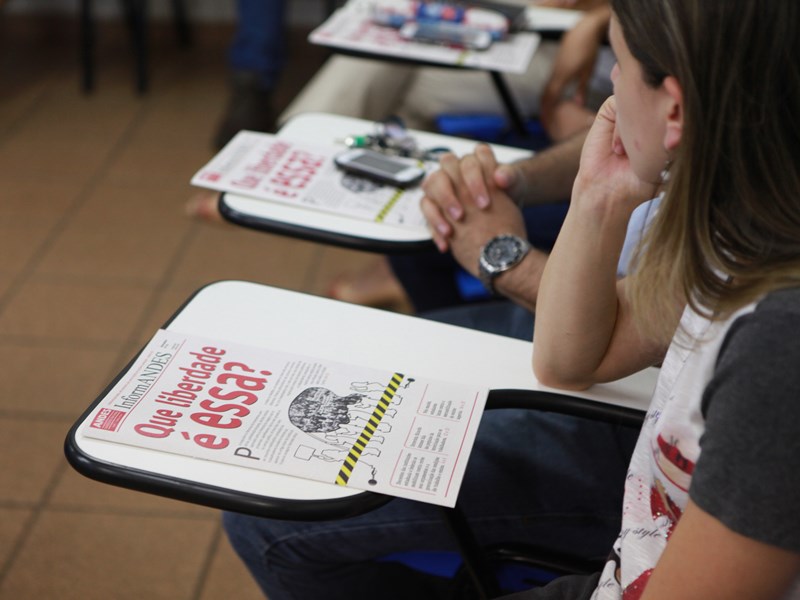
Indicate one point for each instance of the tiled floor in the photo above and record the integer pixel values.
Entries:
(95, 253)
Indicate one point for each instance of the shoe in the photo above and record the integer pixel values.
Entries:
(249, 107)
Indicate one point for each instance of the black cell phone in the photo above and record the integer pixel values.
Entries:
(394, 170)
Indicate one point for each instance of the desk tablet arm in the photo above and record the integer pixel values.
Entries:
(563, 403)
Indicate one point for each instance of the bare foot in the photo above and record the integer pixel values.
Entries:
(374, 285)
(204, 205)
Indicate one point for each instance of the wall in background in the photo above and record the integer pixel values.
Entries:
(301, 12)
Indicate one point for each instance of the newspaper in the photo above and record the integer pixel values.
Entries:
(351, 28)
(383, 431)
(264, 166)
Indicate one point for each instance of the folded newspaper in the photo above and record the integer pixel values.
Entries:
(274, 169)
(384, 431)
(352, 28)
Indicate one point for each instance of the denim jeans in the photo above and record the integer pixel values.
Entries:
(259, 45)
(544, 479)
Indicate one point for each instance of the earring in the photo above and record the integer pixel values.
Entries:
(665, 171)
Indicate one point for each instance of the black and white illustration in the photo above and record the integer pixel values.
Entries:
(352, 427)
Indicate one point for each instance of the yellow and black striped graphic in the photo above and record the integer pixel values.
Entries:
(389, 206)
(369, 429)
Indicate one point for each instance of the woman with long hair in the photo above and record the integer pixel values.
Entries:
(704, 114)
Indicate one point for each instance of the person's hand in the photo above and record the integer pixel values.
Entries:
(466, 181)
(574, 64)
(605, 176)
(474, 225)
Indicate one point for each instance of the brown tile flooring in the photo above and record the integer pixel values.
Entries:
(95, 253)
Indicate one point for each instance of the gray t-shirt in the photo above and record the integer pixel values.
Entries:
(748, 473)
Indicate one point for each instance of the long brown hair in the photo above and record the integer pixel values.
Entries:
(728, 229)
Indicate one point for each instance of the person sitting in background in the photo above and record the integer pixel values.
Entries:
(256, 59)
(564, 83)
(571, 70)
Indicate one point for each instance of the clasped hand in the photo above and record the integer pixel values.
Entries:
(466, 204)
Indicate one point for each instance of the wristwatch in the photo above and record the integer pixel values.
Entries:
(500, 254)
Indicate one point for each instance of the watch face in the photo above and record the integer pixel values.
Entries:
(503, 251)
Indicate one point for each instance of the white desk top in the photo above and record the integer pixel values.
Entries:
(312, 127)
(542, 18)
(250, 313)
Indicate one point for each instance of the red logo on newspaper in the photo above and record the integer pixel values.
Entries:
(108, 419)
(210, 176)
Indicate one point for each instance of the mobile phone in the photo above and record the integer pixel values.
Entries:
(443, 32)
(394, 170)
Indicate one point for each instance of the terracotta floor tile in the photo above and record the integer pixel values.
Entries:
(117, 250)
(48, 380)
(12, 523)
(29, 198)
(21, 238)
(30, 454)
(98, 557)
(169, 301)
(72, 161)
(6, 278)
(75, 492)
(229, 252)
(229, 578)
(66, 114)
(17, 104)
(74, 311)
(169, 145)
(145, 206)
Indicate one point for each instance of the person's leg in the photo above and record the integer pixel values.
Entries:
(501, 317)
(256, 59)
(428, 279)
(259, 45)
(532, 477)
(438, 91)
(548, 480)
(353, 87)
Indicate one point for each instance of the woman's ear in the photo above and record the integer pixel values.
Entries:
(674, 97)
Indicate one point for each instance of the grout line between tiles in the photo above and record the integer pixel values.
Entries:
(26, 114)
(36, 513)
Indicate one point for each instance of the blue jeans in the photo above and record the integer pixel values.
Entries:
(538, 478)
(259, 45)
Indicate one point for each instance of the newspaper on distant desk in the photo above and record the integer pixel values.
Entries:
(351, 28)
(274, 169)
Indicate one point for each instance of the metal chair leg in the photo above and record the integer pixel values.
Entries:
(182, 29)
(136, 16)
(472, 553)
